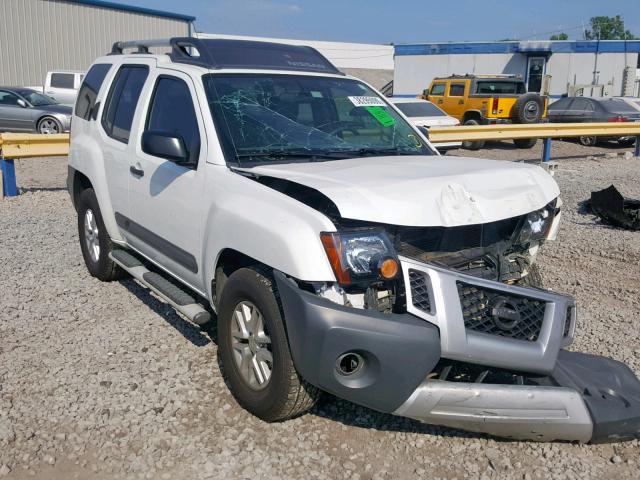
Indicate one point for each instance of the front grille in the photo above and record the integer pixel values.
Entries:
(419, 283)
(500, 313)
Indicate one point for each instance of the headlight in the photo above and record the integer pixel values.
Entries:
(537, 224)
(360, 255)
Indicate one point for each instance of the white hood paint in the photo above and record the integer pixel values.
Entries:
(423, 190)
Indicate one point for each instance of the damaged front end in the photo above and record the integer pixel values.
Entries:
(456, 336)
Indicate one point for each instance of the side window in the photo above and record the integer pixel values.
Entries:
(121, 103)
(8, 98)
(438, 89)
(62, 80)
(171, 111)
(89, 90)
(456, 90)
(582, 104)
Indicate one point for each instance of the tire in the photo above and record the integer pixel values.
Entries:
(95, 242)
(528, 109)
(270, 388)
(525, 143)
(49, 125)
(588, 141)
(626, 142)
(476, 145)
(533, 279)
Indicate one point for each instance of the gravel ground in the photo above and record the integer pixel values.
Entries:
(104, 381)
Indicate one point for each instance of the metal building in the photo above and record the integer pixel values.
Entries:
(37, 36)
(589, 68)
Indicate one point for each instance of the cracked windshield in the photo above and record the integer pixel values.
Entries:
(286, 118)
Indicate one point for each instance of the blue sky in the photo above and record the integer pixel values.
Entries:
(399, 21)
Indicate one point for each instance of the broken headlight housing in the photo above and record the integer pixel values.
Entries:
(536, 225)
(360, 256)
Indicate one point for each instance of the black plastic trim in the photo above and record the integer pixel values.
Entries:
(610, 390)
(399, 350)
(168, 249)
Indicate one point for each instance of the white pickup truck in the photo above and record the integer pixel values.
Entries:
(339, 251)
(61, 85)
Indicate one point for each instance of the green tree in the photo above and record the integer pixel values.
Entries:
(560, 36)
(608, 28)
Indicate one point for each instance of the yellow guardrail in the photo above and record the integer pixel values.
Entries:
(536, 130)
(27, 145)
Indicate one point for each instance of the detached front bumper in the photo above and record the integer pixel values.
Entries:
(405, 371)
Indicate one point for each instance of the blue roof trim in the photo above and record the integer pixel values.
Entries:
(131, 8)
(605, 46)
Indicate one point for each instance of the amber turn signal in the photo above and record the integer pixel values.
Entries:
(388, 268)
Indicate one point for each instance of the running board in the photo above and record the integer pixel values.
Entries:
(169, 292)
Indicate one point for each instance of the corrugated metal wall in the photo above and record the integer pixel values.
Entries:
(41, 35)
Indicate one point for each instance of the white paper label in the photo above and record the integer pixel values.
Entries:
(367, 101)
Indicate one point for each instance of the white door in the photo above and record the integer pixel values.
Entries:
(166, 195)
(121, 108)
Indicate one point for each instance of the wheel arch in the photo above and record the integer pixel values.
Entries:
(472, 115)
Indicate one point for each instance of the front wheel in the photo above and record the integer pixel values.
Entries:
(49, 126)
(95, 242)
(626, 141)
(478, 144)
(254, 350)
(588, 141)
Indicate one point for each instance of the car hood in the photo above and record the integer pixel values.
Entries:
(423, 190)
(62, 109)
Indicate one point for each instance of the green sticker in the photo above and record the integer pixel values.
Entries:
(380, 114)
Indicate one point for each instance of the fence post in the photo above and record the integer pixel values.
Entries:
(637, 152)
(546, 150)
(9, 188)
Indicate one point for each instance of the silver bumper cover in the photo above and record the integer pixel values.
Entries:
(511, 411)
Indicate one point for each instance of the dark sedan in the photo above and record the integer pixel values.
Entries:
(586, 109)
(25, 110)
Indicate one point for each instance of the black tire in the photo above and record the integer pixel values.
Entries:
(52, 124)
(528, 109)
(476, 145)
(525, 143)
(533, 279)
(285, 394)
(626, 142)
(588, 141)
(101, 267)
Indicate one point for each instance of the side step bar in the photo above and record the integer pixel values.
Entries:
(172, 294)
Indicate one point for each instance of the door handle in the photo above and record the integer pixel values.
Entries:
(440, 101)
(460, 102)
(136, 171)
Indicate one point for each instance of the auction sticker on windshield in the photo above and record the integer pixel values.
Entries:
(367, 101)
(382, 116)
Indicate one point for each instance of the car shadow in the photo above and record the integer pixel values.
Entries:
(329, 407)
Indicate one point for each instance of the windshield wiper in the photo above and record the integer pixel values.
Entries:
(365, 151)
(292, 154)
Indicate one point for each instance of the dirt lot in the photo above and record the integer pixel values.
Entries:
(104, 381)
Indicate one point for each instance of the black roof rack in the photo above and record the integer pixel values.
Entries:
(217, 53)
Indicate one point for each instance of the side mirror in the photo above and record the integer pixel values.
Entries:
(165, 145)
(22, 103)
(424, 131)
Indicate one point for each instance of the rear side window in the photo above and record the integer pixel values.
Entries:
(438, 89)
(172, 112)
(89, 90)
(499, 87)
(117, 116)
(456, 90)
(62, 80)
(582, 104)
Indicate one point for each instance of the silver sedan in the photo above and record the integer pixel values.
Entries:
(25, 110)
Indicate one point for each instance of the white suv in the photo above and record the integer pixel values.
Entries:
(339, 251)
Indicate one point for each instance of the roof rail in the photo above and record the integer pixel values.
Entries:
(226, 53)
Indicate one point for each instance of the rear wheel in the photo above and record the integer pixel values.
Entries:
(49, 125)
(476, 145)
(626, 141)
(254, 350)
(525, 142)
(95, 242)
